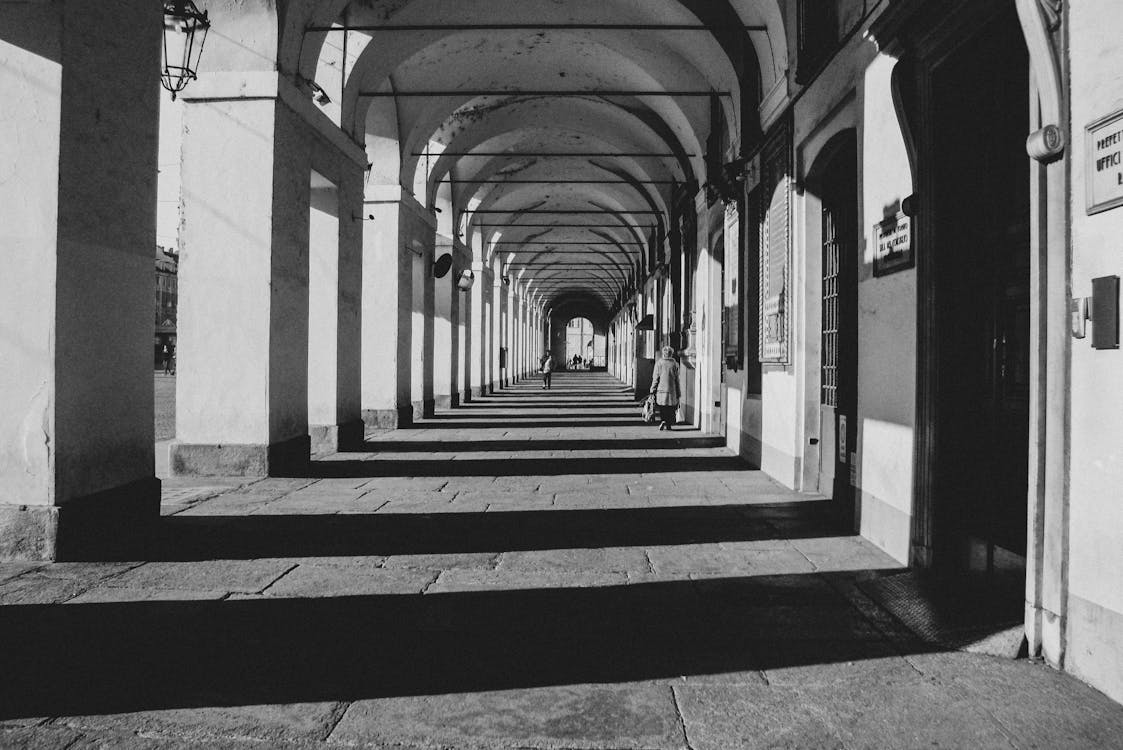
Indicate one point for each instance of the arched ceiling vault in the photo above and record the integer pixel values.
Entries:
(567, 189)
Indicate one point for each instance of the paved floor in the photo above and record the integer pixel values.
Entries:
(534, 570)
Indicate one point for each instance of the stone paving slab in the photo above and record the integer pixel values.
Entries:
(512, 574)
(585, 716)
(57, 583)
(318, 580)
(294, 722)
(244, 576)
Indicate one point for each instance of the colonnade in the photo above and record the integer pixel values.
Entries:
(308, 308)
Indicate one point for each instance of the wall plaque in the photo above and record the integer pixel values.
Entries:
(893, 245)
(1103, 163)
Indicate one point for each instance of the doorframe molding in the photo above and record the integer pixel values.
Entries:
(921, 39)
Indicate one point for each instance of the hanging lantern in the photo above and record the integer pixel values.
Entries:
(183, 44)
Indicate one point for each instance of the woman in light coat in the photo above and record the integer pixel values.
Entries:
(665, 388)
(546, 367)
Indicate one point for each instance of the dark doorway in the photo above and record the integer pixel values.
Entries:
(839, 353)
(981, 291)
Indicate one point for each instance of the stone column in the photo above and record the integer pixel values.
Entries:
(480, 357)
(387, 304)
(423, 328)
(456, 342)
(469, 341)
(78, 160)
(334, 288)
(444, 330)
(516, 334)
(242, 389)
(502, 327)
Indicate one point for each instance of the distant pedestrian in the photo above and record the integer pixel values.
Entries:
(665, 388)
(546, 367)
(167, 360)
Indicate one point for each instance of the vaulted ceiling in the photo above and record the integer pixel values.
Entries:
(555, 130)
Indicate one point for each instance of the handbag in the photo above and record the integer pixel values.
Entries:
(648, 410)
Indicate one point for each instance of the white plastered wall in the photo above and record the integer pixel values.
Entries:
(1095, 596)
(855, 93)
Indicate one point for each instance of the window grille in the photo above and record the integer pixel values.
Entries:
(831, 254)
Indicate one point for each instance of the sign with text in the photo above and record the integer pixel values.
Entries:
(1103, 163)
(892, 245)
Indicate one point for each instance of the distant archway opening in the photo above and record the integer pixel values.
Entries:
(581, 345)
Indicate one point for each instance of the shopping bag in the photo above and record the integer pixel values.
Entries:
(648, 411)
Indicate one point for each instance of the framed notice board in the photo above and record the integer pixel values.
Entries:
(774, 201)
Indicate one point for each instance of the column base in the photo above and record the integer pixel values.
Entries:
(333, 438)
(428, 407)
(467, 395)
(388, 419)
(288, 458)
(114, 524)
(444, 403)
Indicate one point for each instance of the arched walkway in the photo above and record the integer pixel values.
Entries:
(865, 231)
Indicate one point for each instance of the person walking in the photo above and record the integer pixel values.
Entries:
(665, 388)
(546, 367)
(167, 360)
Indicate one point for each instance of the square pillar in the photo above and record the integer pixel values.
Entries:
(387, 309)
(424, 317)
(478, 355)
(78, 162)
(502, 358)
(334, 288)
(444, 345)
(242, 386)
(469, 341)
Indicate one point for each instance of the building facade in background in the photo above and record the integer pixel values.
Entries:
(167, 298)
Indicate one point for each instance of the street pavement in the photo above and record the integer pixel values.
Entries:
(536, 569)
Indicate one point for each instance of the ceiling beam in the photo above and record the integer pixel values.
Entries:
(566, 242)
(561, 211)
(416, 27)
(562, 252)
(559, 154)
(439, 93)
(553, 226)
(563, 182)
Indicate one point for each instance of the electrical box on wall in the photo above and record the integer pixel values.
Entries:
(1105, 312)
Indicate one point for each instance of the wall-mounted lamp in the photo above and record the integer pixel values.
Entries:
(369, 217)
(466, 280)
(183, 44)
(506, 281)
(318, 93)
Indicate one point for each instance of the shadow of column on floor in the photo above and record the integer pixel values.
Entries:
(78, 659)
